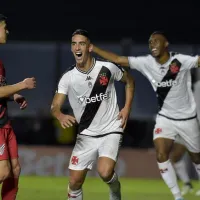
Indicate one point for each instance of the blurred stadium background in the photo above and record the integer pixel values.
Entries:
(39, 45)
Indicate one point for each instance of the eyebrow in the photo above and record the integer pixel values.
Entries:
(78, 42)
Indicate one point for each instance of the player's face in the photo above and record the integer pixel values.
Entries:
(81, 48)
(3, 32)
(157, 45)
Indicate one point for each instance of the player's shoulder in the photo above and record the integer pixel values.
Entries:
(180, 55)
(104, 61)
(68, 71)
(148, 57)
(145, 57)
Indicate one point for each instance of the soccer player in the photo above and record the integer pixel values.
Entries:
(91, 91)
(169, 75)
(9, 163)
(179, 150)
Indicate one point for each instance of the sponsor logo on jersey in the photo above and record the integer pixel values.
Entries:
(96, 98)
(167, 83)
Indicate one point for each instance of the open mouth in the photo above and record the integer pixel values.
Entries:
(154, 50)
(79, 54)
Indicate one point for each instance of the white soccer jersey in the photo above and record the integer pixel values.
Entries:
(92, 97)
(171, 82)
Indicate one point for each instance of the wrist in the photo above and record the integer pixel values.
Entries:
(22, 85)
(15, 95)
(59, 116)
(127, 107)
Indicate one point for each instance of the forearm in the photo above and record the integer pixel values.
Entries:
(56, 111)
(13, 97)
(129, 90)
(6, 91)
(106, 54)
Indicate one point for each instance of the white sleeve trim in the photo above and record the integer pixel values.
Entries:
(61, 92)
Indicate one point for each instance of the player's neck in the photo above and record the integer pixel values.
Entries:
(164, 58)
(86, 66)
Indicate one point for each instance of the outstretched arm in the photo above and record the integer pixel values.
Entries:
(120, 60)
(129, 89)
(28, 83)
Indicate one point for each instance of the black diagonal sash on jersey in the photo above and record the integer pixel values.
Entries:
(92, 108)
(171, 74)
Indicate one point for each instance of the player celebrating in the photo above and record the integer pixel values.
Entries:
(169, 74)
(92, 96)
(179, 151)
(9, 163)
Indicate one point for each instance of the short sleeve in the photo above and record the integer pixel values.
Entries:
(190, 61)
(118, 72)
(63, 84)
(138, 63)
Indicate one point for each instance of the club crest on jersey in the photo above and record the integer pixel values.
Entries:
(103, 79)
(175, 66)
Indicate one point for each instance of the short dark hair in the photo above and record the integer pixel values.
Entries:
(2, 18)
(81, 32)
(160, 33)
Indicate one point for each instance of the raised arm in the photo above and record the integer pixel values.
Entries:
(120, 60)
(28, 83)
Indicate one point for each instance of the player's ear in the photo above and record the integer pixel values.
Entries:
(90, 47)
(166, 44)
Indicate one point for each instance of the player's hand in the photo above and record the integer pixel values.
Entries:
(30, 83)
(66, 121)
(123, 115)
(21, 101)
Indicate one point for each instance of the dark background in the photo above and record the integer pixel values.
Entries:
(105, 20)
(39, 44)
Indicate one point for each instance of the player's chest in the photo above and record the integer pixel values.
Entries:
(84, 83)
(170, 70)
